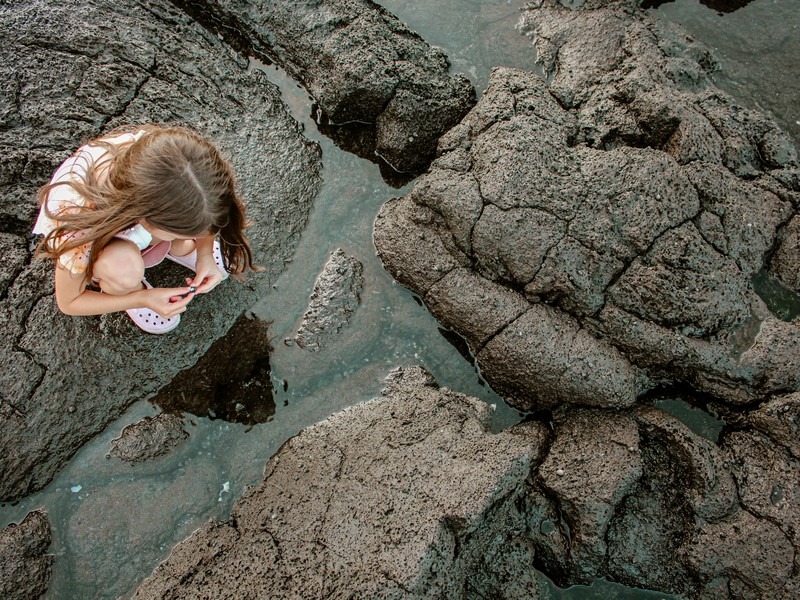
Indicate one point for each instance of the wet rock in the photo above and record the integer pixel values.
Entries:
(385, 498)
(25, 566)
(336, 296)
(566, 363)
(785, 263)
(360, 64)
(752, 555)
(779, 419)
(646, 531)
(15, 257)
(231, 381)
(767, 478)
(430, 503)
(149, 438)
(594, 462)
(637, 497)
(708, 485)
(70, 73)
(626, 199)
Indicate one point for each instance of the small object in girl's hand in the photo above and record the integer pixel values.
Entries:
(192, 290)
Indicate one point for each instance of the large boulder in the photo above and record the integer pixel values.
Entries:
(405, 496)
(595, 234)
(71, 71)
(382, 90)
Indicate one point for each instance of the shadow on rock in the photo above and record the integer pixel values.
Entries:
(231, 381)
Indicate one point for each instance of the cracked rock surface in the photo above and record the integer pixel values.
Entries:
(336, 296)
(607, 222)
(410, 496)
(70, 72)
(361, 65)
(25, 566)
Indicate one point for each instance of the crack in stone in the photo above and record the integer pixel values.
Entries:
(17, 345)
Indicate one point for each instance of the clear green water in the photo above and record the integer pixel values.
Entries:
(112, 523)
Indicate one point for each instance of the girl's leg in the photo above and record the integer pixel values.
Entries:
(182, 247)
(119, 269)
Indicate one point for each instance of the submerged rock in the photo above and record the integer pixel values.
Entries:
(25, 566)
(149, 438)
(384, 93)
(336, 296)
(615, 216)
(70, 73)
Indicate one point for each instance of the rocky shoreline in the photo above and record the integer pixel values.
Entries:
(593, 236)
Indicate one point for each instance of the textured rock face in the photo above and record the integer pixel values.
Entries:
(25, 566)
(612, 218)
(336, 296)
(149, 438)
(71, 71)
(360, 64)
(393, 498)
(408, 496)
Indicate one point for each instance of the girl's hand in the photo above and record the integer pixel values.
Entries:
(207, 275)
(167, 302)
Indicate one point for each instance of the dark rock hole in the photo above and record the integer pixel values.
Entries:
(231, 381)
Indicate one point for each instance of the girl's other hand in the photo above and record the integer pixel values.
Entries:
(167, 302)
(207, 275)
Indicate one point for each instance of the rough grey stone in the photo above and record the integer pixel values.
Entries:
(149, 438)
(779, 418)
(71, 71)
(752, 554)
(767, 477)
(336, 296)
(359, 63)
(625, 198)
(785, 264)
(25, 566)
(709, 487)
(408, 496)
(394, 498)
(593, 463)
(543, 359)
(478, 307)
(647, 529)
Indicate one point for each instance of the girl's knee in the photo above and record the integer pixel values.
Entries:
(119, 268)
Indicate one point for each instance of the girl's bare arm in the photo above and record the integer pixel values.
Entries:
(73, 298)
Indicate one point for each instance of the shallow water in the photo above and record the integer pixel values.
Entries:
(112, 523)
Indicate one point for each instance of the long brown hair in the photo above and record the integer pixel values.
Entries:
(171, 177)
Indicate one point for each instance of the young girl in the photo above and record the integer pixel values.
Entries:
(126, 201)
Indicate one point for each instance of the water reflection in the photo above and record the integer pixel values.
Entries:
(231, 381)
(721, 6)
(781, 301)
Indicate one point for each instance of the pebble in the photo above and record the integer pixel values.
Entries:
(559, 472)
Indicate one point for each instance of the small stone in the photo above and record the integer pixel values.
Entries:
(560, 472)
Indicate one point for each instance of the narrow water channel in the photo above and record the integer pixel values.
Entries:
(112, 522)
